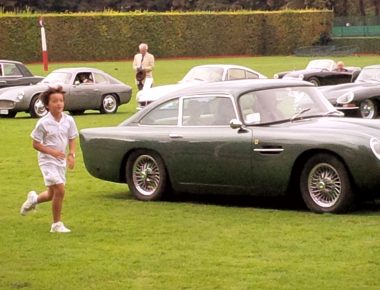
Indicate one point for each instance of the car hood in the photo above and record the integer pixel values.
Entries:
(153, 94)
(297, 73)
(12, 93)
(335, 91)
(335, 126)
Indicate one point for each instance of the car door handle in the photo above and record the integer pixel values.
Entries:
(96, 90)
(269, 150)
(175, 136)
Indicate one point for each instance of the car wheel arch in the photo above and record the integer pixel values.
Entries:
(102, 107)
(295, 174)
(116, 95)
(31, 104)
(123, 164)
(314, 80)
(162, 188)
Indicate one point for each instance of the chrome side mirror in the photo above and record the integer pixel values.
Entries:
(236, 124)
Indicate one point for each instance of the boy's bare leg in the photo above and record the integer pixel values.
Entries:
(57, 200)
(45, 195)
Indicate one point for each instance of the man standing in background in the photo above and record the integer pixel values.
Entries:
(143, 64)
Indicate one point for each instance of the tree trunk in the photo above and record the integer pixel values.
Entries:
(376, 4)
(361, 8)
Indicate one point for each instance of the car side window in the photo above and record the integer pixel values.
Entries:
(100, 79)
(257, 108)
(10, 69)
(164, 114)
(236, 74)
(251, 75)
(207, 111)
(84, 78)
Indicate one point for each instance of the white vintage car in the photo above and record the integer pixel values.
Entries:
(201, 73)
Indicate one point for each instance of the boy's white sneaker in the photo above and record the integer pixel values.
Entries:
(30, 203)
(59, 227)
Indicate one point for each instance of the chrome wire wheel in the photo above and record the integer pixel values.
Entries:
(324, 185)
(368, 109)
(146, 175)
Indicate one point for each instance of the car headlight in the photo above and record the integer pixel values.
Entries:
(374, 143)
(345, 98)
(20, 95)
(275, 76)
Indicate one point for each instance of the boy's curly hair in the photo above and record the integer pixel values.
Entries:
(45, 96)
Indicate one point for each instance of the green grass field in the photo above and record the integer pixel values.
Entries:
(194, 242)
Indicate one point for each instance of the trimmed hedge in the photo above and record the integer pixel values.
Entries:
(112, 36)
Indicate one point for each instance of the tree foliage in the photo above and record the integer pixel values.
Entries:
(340, 7)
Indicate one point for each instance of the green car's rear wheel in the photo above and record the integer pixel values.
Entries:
(146, 175)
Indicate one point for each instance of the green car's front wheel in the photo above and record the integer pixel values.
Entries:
(146, 175)
(325, 185)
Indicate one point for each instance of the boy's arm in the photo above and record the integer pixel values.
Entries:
(71, 155)
(47, 150)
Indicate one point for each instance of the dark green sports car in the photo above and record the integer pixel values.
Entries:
(258, 137)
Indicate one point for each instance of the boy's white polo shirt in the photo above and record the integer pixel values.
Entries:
(54, 134)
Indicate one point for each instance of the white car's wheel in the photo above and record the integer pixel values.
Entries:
(37, 108)
(109, 104)
(368, 109)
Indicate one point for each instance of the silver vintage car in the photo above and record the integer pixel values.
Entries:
(86, 89)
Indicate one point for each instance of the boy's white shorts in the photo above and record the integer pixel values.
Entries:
(53, 174)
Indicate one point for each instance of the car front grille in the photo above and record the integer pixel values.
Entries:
(7, 105)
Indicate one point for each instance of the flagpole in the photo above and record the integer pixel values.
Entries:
(44, 45)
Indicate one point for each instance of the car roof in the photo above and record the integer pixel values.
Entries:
(322, 59)
(223, 66)
(237, 87)
(78, 69)
(9, 61)
(373, 66)
(234, 88)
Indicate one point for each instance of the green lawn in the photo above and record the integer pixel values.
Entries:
(190, 243)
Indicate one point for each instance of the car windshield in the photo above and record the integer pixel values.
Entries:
(369, 75)
(320, 64)
(283, 104)
(206, 74)
(57, 77)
